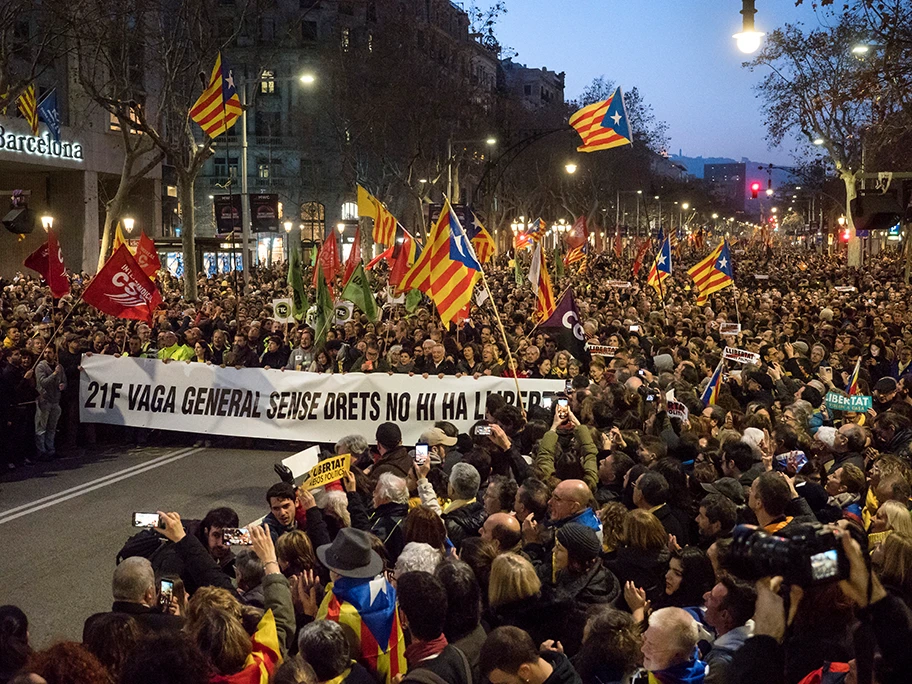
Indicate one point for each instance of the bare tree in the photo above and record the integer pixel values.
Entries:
(31, 39)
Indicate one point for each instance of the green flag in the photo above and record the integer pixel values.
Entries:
(412, 300)
(300, 305)
(358, 292)
(558, 263)
(516, 272)
(326, 309)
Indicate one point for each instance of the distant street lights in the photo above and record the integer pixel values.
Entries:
(490, 141)
(128, 224)
(570, 168)
(47, 222)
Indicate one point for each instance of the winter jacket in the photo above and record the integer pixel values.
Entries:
(596, 586)
(568, 456)
(719, 658)
(48, 382)
(464, 522)
(543, 616)
(386, 524)
(562, 671)
(397, 461)
(689, 672)
(451, 665)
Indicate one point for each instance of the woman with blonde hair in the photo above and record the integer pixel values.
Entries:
(642, 557)
(295, 553)
(517, 597)
(894, 560)
(891, 517)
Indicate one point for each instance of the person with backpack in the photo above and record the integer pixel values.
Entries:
(567, 451)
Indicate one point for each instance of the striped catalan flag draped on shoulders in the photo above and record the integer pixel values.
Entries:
(368, 608)
(603, 125)
(447, 269)
(28, 107)
(265, 656)
(711, 393)
(219, 107)
(541, 285)
(852, 387)
(713, 273)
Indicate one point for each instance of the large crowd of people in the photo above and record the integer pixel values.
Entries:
(765, 537)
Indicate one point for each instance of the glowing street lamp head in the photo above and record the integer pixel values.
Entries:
(308, 79)
(685, 206)
(287, 225)
(748, 41)
(861, 49)
(570, 167)
(128, 224)
(818, 141)
(491, 141)
(47, 222)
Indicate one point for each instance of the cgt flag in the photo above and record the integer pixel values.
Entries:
(122, 290)
(147, 256)
(570, 335)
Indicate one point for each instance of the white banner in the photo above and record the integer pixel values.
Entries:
(272, 404)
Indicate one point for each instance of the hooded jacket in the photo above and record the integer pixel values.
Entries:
(562, 670)
(692, 671)
(464, 522)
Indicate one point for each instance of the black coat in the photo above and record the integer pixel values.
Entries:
(672, 523)
(544, 616)
(646, 569)
(464, 522)
(149, 619)
(597, 586)
(386, 524)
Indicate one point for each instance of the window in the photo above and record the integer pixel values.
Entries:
(171, 191)
(350, 211)
(307, 168)
(262, 170)
(223, 168)
(527, 90)
(268, 124)
(267, 82)
(370, 41)
(114, 123)
(309, 31)
(267, 29)
(346, 39)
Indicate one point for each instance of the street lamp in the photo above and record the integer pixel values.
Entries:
(47, 222)
(685, 206)
(818, 141)
(308, 79)
(288, 225)
(748, 40)
(128, 224)
(861, 49)
(340, 227)
(769, 192)
(490, 141)
(570, 167)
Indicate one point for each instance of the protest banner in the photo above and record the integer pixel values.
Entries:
(601, 350)
(859, 403)
(330, 470)
(620, 284)
(281, 310)
(676, 409)
(729, 328)
(740, 356)
(844, 288)
(269, 404)
(759, 276)
(301, 462)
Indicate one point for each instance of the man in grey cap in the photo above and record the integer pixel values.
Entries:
(438, 442)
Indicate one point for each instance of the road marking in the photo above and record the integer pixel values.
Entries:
(50, 497)
(73, 492)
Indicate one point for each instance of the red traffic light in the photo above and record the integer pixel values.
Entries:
(845, 235)
(755, 190)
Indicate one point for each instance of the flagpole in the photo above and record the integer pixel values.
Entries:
(503, 333)
(560, 297)
(735, 292)
(59, 328)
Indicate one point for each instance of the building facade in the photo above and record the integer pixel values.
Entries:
(727, 183)
(535, 88)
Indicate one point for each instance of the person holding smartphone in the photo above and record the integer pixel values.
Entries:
(572, 442)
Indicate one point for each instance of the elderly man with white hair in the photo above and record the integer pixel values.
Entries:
(136, 594)
(417, 557)
(390, 508)
(670, 647)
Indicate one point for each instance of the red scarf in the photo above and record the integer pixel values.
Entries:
(417, 651)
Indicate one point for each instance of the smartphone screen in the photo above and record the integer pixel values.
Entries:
(483, 430)
(166, 589)
(634, 328)
(563, 403)
(568, 386)
(237, 536)
(546, 402)
(146, 520)
(421, 454)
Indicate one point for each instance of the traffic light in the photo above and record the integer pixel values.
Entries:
(845, 235)
(755, 190)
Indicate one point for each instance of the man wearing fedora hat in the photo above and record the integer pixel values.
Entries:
(363, 602)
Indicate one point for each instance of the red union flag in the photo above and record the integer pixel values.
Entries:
(121, 289)
(47, 260)
(147, 256)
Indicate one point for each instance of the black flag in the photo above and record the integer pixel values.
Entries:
(566, 320)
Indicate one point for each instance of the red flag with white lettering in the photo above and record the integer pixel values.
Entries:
(56, 274)
(328, 258)
(354, 257)
(147, 256)
(121, 289)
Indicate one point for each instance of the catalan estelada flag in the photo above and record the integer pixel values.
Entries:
(447, 269)
(661, 268)
(537, 230)
(852, 387)
(264, 657)
(711, 393)
(219, 107)
(713, 273)
(576, 254)
(541, 286)
(482, 242)
(368, 608)
(28, 107)
(603, 125)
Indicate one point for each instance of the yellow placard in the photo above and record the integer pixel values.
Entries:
(330, 470)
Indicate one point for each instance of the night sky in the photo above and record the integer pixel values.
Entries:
(679, 53)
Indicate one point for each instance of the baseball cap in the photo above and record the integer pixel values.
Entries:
(728, 487)
(436, 436)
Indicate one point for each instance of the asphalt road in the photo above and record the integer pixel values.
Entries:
(61, 524)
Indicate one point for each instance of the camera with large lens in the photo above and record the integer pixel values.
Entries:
(811, 554)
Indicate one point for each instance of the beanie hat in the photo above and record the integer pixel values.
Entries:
(389, 435)
(663, 363)
(580, 541)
